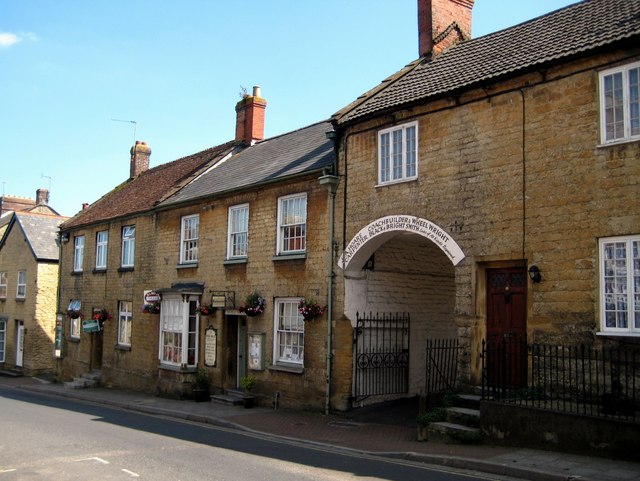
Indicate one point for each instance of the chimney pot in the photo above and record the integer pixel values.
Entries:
(42, 197)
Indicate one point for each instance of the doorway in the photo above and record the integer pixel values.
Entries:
(19, 343)
(236, 350)
(507, 326)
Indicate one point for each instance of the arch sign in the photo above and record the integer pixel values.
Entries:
(365, 242)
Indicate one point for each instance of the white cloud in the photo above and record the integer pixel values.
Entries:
(8, 39)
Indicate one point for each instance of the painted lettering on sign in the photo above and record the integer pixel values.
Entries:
(403, 223)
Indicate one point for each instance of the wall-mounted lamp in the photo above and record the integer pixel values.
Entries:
(64, 238)
(331, 134)
(534, 274)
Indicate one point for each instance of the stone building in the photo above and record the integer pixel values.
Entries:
(28, 286)
(489, 190)
(248, 217)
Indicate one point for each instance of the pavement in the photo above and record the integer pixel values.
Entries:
(349, 432)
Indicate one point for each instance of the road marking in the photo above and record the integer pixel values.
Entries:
(100, 460)
(135, 475)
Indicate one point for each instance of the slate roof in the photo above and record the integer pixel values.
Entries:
(295, 153)
(145, 191)
(40, 232)
(558, 36)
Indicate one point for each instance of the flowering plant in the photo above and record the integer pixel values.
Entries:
(153, 308)
(309, 309)
(101, 315)
(73, 313)
(254, 306)
(206, 309)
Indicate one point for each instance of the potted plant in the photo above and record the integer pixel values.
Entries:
(74, 314)
(247, 383)
(254, 305)
(153, 308)
(310, 309)
(201, 386)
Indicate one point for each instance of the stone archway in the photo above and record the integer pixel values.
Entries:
(412, 271)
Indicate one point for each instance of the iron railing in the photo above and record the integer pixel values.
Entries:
(381, 355)
(441, 365)
(583, 380)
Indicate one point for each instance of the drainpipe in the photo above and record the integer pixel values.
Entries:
(331, 183)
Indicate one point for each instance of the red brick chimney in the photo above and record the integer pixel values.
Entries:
(42, 197)
(140, 154)
(442, 24)
(250, 117)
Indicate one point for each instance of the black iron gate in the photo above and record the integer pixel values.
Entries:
(381, 355)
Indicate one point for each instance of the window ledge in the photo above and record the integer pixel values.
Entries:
(125, 269)
(100, 271)
(74, 339)
(77, 273)
(289, 257)
(287, 368)
(398, 181)
(231, 262)
(20, 300)
(170, 367)
(123, 347)
(613, 143)
(617, 334)
(190, 265)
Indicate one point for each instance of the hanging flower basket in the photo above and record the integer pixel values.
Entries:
(206, 310)
(101, 315)
(153, 308)
(310, 310)
(255, 305)
(73, 314)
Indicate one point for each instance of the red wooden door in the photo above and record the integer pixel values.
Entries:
(507, 326)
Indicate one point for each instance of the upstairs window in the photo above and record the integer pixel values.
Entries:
(21, 291)
(78, 253)
(238, 231)
(128, 245)
(292, 224)
(189, 239)
(620, 103)
(3, 285)
(620, 285)
(397, 153)
(102, 240)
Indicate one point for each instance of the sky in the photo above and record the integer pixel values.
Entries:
(81, 80)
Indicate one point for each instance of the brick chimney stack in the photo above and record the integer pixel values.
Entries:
(442, 24)
(250, 117)
(140, 154)
(42, 197)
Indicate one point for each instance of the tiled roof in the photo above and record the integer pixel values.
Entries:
(557, 36)
(295, 153)
(142, 193)
(40, 231)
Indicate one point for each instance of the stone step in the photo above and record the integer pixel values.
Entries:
(11, 373)
(465, 416)
(227, 399)
(453, 433)
(86, 380)
(470, 401)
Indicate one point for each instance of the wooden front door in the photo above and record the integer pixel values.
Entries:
(507, 326)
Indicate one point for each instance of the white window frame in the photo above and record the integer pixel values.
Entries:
(128, 246)
(125, 316)
(238, 232)
(78, 253)
(3, 339)
(3, 285)
(398, 153)
(626, 115)
(179, 321)
(619, 278)
(189, 228)
(292, 226)
(74, 324)
(288, 332)
(21, 287)
(102, 244)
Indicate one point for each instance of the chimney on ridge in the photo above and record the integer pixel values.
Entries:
(140, 154)
(42, 197)
(250, 117)
(442, 24)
